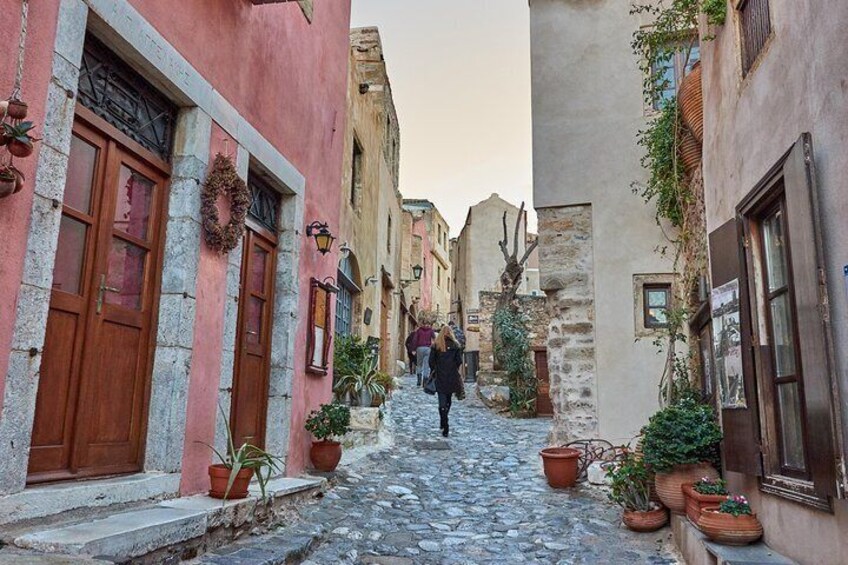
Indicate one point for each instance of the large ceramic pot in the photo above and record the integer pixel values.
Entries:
(650, 521)
(670, 485)
(365, 398)
(729, 529)
(690, 98)
(325, 455)
(696, 502)
(690, 152)
(219, 476)
(560, 465)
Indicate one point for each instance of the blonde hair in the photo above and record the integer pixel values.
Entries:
(445, 334)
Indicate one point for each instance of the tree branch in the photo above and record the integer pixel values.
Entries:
(527, 252)
(503, 243)
(515, 237)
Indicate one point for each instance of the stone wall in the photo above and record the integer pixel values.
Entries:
(567, 270)
(536, 309)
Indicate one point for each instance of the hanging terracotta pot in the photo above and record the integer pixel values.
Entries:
(691, 101)
(690, 152)
(20, 149)
(670, 485)
(16, 109)
(8, 181)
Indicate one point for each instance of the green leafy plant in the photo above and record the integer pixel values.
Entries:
(631, 484)
(711, 486)
(19, 132)
(364, 378)
(246, 457)
(737, 505)
(349, 353)
(331, 420)
(513, 354)
(385, 380)
(680, 434)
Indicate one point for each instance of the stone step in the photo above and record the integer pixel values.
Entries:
(141, 531)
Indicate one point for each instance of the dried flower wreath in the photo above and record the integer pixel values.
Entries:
(224, 180)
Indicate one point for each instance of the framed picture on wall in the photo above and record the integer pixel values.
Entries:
(320, 337)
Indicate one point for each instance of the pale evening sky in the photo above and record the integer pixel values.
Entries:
(460, 74)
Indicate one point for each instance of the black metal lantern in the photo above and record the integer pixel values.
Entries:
(417, 271)
(323, 238)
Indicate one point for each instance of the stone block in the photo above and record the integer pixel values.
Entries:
(365, 418)
(31, 318)
(278, 425)
(184, 199)
(70, 31)
(167, 419)
(176, 321)
(192, 138)
(58, 119)
(65, 74)
(16, 421)
(51, 174)
(494, 397)
(42, 241)
(182, 254)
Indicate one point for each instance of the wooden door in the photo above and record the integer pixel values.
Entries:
(544, 406)
(92, 398)
(253, 338)
(385, 342)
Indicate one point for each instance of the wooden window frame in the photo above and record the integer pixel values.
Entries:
(822, 481)
(647, 287)
(750, 62)
(315, 287)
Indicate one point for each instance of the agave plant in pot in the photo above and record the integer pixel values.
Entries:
(631, 489)
(703, 493)
(679, 443)
(231, 477)
(18, 139)
(331, 421)
(731, 523)
(362, 385)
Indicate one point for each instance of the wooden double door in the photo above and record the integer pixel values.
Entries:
(252, 370)
(91, 407)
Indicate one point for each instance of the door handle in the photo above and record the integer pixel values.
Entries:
(101, 292)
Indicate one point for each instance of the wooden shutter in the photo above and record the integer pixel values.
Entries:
(808, 275)
(741, 445)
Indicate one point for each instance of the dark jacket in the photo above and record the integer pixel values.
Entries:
(423, 337)
(446, 366)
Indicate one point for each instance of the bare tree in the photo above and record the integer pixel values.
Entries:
(513, 272)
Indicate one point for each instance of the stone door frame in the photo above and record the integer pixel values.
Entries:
(121, 27)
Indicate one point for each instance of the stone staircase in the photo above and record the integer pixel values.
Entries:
(164, 531)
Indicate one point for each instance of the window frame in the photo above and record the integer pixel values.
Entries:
(749, 64)
(316, 290)
(680, 65)
(655, 286)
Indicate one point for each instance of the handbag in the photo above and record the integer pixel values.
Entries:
(430, 383)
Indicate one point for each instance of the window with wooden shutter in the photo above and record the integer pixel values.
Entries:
(755, 29)
(791, 329)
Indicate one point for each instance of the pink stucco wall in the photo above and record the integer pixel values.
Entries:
(15, 209)
(288, 78)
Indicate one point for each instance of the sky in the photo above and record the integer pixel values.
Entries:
(460, 75)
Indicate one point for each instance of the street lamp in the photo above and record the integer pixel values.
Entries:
(323, 238)
(417, 271)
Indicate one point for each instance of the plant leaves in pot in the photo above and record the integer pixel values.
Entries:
(702, 494)
(331, 421)
(731, 523)
(630, 488)
(679, 443)
(19, 138)
(8, 181)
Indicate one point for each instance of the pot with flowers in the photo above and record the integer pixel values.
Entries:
(331, 421)
(731, 523)
(679, 443)
(631, 482)
(703, 493)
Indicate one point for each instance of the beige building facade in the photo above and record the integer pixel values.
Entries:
(427, 227)
(370, 232)
(597, 239)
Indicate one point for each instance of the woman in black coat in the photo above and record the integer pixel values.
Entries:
(445, 360)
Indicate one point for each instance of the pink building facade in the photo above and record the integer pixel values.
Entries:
(121, 330)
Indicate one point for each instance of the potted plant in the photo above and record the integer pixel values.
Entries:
(631, 482)
(731, 523)
(701, 494)
(8, 180)
(19, 140)
(230, 478)
(679, 443)
(361, 385)
(331, 421)
(561, 466)
(15, 109)
(386, 381)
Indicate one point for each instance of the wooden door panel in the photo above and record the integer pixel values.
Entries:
(544, 406)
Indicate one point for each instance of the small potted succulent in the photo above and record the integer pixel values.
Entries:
(8, 180)
(705, 492)
(230, 478)
(331, 421)
(631, 489)
(731, 523)
(18, 138)
(679, 442)
(14, 108)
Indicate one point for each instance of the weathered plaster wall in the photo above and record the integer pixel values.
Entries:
(799, 84)
(587, 110)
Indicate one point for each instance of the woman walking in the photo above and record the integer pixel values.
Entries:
(445, 360)
(422, 340)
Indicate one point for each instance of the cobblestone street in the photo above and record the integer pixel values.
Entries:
(478, 497)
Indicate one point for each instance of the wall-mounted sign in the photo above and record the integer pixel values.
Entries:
(366, 318)
(727, 345)
(473, 319)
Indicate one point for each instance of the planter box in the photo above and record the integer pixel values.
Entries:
(696, 502)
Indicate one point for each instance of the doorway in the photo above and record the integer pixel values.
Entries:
(544, 406)
(91, 406)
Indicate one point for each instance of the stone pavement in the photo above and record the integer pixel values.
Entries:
(478, 497)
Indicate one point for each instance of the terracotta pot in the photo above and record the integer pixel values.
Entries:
(325, 455)
(670, 485)
(690, 99)
(650, 521)
(7, 187)
(696, 502)
(17, 110)
(729, 529)
(20, 149)
(19, 181)
(690, 152)
(219, 476)
(560, 466)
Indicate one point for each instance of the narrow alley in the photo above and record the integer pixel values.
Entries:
(477, 497)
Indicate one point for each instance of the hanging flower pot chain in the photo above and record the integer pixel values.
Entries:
(224, 179)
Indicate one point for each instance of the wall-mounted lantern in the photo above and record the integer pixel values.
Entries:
(323, 238)
(417, 271)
